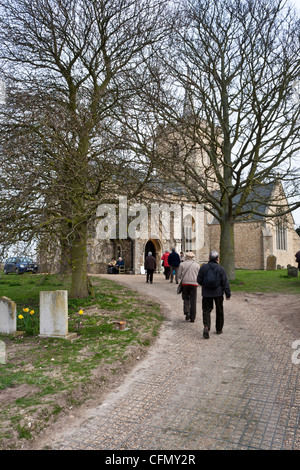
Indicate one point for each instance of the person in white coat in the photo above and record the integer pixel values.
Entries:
(187, 273)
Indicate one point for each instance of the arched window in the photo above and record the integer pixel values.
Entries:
(188, 232)
(281, 235)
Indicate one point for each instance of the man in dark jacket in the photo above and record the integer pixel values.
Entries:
(150, 266)
(174, 262)
(213, 279)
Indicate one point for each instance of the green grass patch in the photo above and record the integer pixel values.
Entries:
(265, 281)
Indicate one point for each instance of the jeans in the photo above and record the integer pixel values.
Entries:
(189, 297)
(174, 268)
(207, 306)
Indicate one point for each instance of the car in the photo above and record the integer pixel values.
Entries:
(19, 265)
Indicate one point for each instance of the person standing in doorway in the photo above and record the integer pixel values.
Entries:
(150, 266)
(187, 272)
(213, 279)
(174, 262)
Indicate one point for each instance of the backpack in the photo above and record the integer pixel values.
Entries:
(212, 278)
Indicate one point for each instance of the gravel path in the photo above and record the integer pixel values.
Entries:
(238, 390)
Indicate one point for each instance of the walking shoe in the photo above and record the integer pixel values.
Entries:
(187, 316)
(206, 332)
(219, 332)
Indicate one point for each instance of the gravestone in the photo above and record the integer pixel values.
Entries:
(271, 263)
(292, 271)
(54, 315)
(8, 316)
(2, 353)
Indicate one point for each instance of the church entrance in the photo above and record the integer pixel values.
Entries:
(155, 248)
(150, 247)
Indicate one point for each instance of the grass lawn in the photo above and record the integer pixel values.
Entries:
(265, 281)
(43, 377)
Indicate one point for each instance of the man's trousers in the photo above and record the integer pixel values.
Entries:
(189, 297)
(207, 306)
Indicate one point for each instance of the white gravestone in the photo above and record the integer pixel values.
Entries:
(8, 316)
(54, 315)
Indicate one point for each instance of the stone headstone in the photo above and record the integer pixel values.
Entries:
(54, 315)
(2, 353)
(292, 271)
(271, 263)
(8, 316)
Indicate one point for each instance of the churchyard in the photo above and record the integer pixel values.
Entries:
(43, 376)
(48, 368)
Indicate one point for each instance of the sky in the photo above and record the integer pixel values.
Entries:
(297, 4)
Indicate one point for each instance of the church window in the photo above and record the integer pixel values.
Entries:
(281, 236)
(188, 232)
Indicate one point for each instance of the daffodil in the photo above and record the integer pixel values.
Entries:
(26, 310)
(31, 312)
(21, 317)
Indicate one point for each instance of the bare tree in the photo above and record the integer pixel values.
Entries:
(66, 65)
(228, 117)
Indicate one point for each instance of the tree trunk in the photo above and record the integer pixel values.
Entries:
(80, 284)
(227, 247)
(65, 258)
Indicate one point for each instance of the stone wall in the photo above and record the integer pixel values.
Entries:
(248, 244)
(255, 242)
(100, 252)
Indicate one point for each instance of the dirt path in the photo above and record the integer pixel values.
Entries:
(238, 390)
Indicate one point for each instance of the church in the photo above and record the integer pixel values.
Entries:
(130, 231)
(170, 220)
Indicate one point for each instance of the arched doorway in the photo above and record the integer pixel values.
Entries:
(155, 248)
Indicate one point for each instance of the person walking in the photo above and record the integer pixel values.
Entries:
(150, 265)
(187, 272)
(174, 262)
(213, 279)
(166, 265)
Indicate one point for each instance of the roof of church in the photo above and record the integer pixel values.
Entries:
(257, 200)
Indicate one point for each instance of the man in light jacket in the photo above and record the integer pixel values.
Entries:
(188, 272)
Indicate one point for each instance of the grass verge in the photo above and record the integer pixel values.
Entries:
(265, 281)
(45, 377)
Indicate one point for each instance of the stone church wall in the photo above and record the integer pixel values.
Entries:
(248, 244)
(254, 243)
